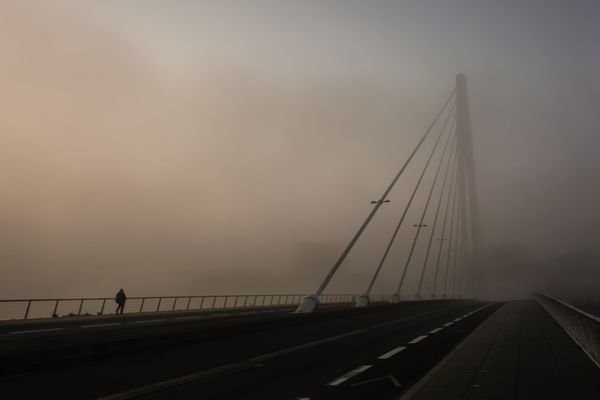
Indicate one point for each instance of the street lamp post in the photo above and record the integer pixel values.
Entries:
(363, 300)
(433, 292)
(445, 295)
(419, 226)
(379, 201)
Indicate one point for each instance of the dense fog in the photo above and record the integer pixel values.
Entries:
(183, 147)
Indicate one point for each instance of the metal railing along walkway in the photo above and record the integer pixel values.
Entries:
(53, 308)
(583, 328)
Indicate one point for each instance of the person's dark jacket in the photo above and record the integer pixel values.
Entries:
(120, 298)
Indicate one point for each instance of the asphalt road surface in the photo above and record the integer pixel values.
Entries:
(335, 353)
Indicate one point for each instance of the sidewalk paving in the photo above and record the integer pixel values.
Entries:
(519, 353)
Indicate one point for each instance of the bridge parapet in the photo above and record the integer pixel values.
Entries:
(52, 308)
(583, 328)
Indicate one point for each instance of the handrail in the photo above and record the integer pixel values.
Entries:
(582, 327)
(58, 307)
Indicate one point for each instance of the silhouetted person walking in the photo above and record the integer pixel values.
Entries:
(120, 299)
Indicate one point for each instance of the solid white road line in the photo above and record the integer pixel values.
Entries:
(349, 375)
(147, 321)
(436, 330)
(448, 324)
(417, 339)
(100, 325)
(37, 330)
(391, 353)
(457, 319)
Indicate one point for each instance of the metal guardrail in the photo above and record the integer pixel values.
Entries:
(583, 328)
(53, 308)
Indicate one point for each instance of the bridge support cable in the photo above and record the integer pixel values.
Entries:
(443, 238)
(311, 302)
(420, 225)
(454, 212)
(456, 267)
(451, 158)
(438, 208)
(363, 300)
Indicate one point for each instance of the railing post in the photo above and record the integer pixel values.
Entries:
(187, 307)
(245, 301)
(212, 306)
(158, 305)
(174, 304)
(201, 302)
(27, 310)
(54, 315)
(102, 308)
(142, 305)
(80, 307)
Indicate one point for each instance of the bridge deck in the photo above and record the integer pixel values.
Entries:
(334, 353)
(518, 353)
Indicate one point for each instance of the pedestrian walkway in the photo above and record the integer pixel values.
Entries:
(519, 353)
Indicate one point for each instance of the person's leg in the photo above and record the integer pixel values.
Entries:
(122, 307)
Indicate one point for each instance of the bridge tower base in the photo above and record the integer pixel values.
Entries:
(363, 301)
(309, 304)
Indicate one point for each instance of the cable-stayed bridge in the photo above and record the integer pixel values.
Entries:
(439, 339)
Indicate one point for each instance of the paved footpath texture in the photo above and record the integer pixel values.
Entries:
(519, 353)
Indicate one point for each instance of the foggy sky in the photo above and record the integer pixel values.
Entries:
(187, 147)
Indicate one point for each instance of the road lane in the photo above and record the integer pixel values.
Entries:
(324, 373)
(211, 345)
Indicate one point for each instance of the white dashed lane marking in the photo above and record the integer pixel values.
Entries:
(100, 325)
(148, 321)
(436, 330)
(391, 353)
(349, 375)
(36, 331)
(448, 324)
(417, 339)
